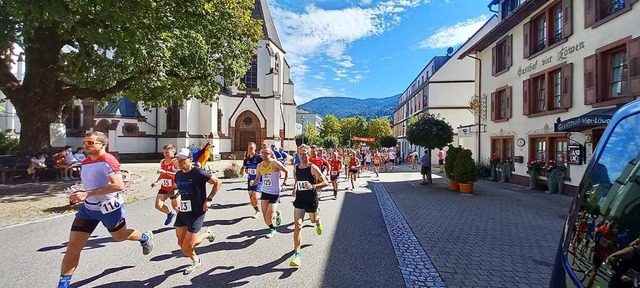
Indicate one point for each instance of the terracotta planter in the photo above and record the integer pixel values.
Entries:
(466, 188)
(453, 185)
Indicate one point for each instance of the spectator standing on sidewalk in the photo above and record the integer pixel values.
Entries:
(441, 160)
(424, 170)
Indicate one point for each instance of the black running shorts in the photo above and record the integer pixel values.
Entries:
(271, 198)
(306, 200)
(193, 222)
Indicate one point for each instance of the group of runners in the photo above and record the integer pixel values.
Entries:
(184, 184)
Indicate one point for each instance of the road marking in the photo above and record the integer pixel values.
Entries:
(415, 265)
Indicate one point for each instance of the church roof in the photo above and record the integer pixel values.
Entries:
(121, 108)
(261, 11)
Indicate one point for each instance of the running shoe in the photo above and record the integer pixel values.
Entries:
(194, 265)
(210, 235)
(148, 246)
(295, 261)
(272, 232)
(256, 215)
(318, 228)
(170, 216)
(278, 218)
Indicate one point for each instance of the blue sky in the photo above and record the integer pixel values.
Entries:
(368, 48)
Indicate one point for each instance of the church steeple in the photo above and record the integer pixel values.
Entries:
(261, 11)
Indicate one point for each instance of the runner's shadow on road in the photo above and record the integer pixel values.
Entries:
(227, 222)
(96, 277)
(235, 277)
(91, 244)
(151, 282)
(228, 206)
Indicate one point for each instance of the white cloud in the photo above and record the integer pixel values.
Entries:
(346, 61)
(454, 35)
(317, 32)
(342, 73)
(365, 2)
(356, 79)
(337, 79)
(448, 1)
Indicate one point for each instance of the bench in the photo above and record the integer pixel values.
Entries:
(13, 166)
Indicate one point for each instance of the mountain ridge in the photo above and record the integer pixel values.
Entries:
(343, 107)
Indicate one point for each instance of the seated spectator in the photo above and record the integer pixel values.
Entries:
(80, 154)
(284, 156)
(37, 166)
(62, 161)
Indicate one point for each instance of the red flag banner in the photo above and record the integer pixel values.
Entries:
(363, 139)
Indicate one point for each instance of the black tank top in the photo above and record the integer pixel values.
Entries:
(304, 174)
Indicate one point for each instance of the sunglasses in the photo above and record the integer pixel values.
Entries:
(90, 142)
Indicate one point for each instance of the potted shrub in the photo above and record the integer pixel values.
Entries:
(534, 168)
(495, 162)
(232, 171)
(449, 166)
(555, 177)
(465, 171)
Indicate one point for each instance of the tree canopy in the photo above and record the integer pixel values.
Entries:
(149, 51)
(379, 128)
(330, 126)
(428, 131)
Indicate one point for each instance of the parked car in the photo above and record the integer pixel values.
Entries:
(600, 244)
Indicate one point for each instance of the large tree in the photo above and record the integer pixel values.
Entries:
(311, 134)
(155, 51)
(430, 132)
(379, 128)
(352, 126)
(330, 126)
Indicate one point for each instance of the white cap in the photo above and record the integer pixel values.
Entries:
(183, 153)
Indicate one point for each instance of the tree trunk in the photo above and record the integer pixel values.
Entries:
(429, 179)
(35, 118)
(40, 98)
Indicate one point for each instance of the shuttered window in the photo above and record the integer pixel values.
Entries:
(501, 104)
(612, 74)
(548, 28)
(598, 12)
(549, 91)
(502, 58)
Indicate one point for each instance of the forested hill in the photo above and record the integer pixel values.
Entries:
(343, 107)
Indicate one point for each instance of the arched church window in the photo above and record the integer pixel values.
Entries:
(173, 116)
(73, 119)
(219, 120)
(250, 79)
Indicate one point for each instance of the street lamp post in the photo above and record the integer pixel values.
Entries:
(349, 138)
(302, 128)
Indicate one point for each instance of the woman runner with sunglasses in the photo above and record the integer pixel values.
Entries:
(269, 173)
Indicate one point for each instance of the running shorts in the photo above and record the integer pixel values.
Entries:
(255, 187)
(87, 220)
(193, 222)
(306, 200)
(271, 198)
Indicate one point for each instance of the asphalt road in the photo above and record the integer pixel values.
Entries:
(354, 249)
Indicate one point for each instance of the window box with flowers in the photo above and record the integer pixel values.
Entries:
(555, 177)
(534, 169)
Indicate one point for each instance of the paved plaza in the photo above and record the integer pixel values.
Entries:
(388, 232)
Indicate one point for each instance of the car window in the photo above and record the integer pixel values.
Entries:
(603, 248)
